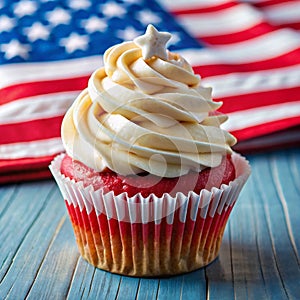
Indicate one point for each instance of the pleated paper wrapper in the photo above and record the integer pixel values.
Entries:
(149, 236)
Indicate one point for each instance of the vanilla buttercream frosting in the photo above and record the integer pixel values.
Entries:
(146, 111)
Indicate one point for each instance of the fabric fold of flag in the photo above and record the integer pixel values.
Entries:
(248, 51)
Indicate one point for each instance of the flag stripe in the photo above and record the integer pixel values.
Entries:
(12, 74)
(30, 149)
(31, 130)
(295, 25)
(283, 13)
(263, 115)
(198, 9)
(278, 43)
(24, 163)
(187, 5)
(37, 107)
(269, 3)
(259, 100)
(30, 89)
(257, 30)
(258, 130)
(25, 175)
(253, 82)
(235, 19)
(290, 59)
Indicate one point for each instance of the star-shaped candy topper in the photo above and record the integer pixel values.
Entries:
(153, 43)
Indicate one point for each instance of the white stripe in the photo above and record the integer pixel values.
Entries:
(184, 4)
(231, 20)
(267, 46)
(38, 107)
(26, 72)
(261, 115)
(252, 82)
(283, 13)
(31, 149)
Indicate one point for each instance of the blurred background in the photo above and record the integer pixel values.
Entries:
(248, 51)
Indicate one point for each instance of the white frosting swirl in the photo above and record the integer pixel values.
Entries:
(145, 115)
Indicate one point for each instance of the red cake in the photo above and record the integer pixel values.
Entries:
(149, 177)
(149, 184)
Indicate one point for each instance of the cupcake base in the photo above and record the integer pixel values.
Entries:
(152, 236)
(147, 249)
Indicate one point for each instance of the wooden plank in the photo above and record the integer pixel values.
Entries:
(104, 285)
(56, 271)
(294, 167)
(92, 283)
(170, 288)
(288, 195)
(148, 288)
(26, 261)
(6, 194)
(248, 278)
(83, 274)
(271, 276)
(219, 275)
(285, 259)
(188, 286)
(193, 285)
(17, 219)
(128, 288)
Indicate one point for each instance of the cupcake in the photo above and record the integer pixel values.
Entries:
(149, 177)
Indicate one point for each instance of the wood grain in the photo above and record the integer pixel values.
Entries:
(259, 257)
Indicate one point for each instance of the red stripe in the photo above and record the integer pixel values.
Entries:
(277, 140)
(201, 10)
(25, 169)
(266, 4)
(295, 25)
(286, 60)
(25, 176)
(27, 163)
(258, 99)
(30, 130)
(30, 89)
(266, 128)
(250, 33)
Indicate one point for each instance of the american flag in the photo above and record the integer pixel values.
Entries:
(248, 51)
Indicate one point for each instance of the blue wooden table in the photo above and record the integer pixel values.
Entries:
(259, 257)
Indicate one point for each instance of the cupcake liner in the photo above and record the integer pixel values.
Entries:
(149, 236)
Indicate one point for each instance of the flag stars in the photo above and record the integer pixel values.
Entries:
(75, 42)
(15, 49)
(77, 5)
(25, 8)
(146, 17)
(128, 34)
(6, 23)
(112, 9)
(37, 32)
(174, 39)
(94, 24)
(58, 16)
